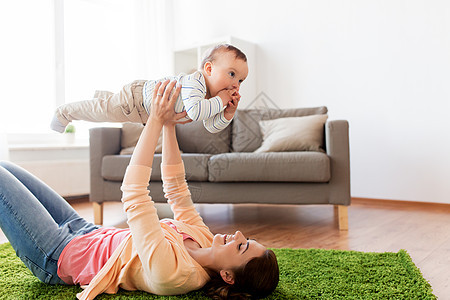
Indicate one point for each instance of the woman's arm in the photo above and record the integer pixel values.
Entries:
(148, 236)
(137, 175)
(170, 152)
(174, 180)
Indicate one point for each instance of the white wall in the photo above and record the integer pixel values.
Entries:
(382, 65)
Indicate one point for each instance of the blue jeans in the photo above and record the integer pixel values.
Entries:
(37, 221)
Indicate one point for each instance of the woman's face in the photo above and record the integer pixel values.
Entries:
(233, 251)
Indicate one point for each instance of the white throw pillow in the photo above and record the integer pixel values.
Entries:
(293, 134)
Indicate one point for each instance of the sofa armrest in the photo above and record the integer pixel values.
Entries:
(337, 148)
(102, 141)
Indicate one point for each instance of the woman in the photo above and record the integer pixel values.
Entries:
(166, 257)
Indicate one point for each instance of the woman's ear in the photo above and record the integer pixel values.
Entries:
(227, 276)
(207, 68)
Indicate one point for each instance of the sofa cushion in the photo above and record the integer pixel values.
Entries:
(114, 166)
(246, 135)
(196, 166)
(293, 134)
(194, 138)
(270, 166)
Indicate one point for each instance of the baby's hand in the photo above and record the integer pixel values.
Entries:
(226, 96)
(235, 96)
(232, 105)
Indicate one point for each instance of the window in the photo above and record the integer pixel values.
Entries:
(100, 47)
(62, 51)
(27, 65)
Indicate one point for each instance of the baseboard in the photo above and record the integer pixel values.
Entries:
(355, 200)
(390, 202)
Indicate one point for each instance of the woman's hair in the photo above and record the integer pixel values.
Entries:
(211, 53)
(256, 279)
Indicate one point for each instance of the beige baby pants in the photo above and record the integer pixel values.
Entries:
(124, 106)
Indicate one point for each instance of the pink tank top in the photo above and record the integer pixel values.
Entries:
(84, 256)
(185, 236)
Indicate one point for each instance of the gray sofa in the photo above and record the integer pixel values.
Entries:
(222, 167)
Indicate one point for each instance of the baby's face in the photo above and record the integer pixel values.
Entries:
(227, 73)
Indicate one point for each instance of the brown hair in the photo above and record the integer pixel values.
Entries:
(256, 279)
(211, 53)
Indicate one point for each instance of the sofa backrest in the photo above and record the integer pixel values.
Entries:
(194, 138)
(243, 134)
(246, 133)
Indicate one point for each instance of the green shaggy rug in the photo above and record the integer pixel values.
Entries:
(304, 274)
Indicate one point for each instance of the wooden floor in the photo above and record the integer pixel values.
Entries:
(374, 226)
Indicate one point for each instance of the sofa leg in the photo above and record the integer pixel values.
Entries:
(342, 214)
(98, 213)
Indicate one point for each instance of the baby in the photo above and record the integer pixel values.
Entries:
(210, 94)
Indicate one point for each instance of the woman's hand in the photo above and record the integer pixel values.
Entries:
(161, 113)
(163, 102)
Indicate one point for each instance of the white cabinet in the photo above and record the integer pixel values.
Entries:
(187, 60)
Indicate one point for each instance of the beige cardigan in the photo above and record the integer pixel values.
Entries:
(153, 258)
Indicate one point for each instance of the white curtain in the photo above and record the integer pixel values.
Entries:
(154, 29)
(109, 43)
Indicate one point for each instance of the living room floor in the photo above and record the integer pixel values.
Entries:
(374, 226)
